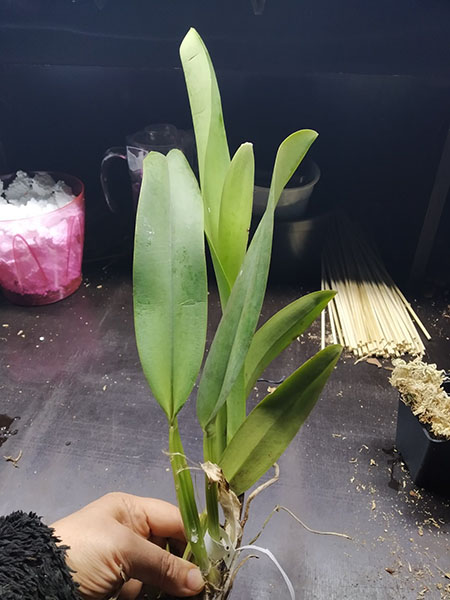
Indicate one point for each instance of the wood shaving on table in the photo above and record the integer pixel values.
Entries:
(420, 386)
(13, 460)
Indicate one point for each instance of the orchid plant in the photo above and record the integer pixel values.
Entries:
(174, 216)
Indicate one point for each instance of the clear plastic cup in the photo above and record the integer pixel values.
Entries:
(161, 137)
(40, 256)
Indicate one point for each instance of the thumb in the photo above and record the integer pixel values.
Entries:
(152, 565)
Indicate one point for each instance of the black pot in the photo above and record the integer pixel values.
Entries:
(427, 458)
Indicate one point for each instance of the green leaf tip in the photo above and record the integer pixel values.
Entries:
(280, 330)
(274, 422)
(236, 211)
(210, 136)
(290, 154)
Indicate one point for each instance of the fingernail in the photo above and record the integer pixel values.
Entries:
(194, 580)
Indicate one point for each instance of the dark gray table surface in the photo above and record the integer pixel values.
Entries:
(88, 425)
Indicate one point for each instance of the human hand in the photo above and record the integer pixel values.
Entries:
(121, 537)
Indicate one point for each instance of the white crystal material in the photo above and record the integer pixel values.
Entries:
(41, 235)
(29, 196)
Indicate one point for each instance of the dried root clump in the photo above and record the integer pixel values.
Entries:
(420, 386)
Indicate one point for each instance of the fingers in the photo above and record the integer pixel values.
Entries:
(130, 590)
(153, 565)
(146, 516)
(164, 519)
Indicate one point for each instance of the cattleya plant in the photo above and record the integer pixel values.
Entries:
(170, 305)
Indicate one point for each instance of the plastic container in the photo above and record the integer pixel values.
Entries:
(294, 199)
(40, 257)
(426, 457)
(161, 137)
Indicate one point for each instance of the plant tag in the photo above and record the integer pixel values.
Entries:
(269, 554)
(222, 550)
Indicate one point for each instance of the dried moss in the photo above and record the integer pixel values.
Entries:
(420, 386)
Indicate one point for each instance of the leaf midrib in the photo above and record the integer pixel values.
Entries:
(273, 424)
(171, 301)
(248, 288)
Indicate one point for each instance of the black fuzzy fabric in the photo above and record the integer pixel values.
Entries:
(32, 566)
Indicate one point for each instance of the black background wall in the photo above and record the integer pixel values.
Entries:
(372, 77)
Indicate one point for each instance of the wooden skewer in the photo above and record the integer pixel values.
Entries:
(369, 314)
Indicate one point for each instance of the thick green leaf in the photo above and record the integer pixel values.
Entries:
(290, 154)
(236, 211)
(206, 108)
(214, 443)
(236, 405)
(270, 427)
(223, 284)
(237, 326)
(169, 279)
(279, 331)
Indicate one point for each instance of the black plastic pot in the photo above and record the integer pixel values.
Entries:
(427, 458)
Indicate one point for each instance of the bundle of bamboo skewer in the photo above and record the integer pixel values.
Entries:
(369, 314)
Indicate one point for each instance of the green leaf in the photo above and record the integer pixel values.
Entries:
(214, 443)
(206, 108)
(236, 211)
(270, 427)
(169, 279)
(290, 154)
(237, 326)
(223, 284)
(236, 406)
(279, 331)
